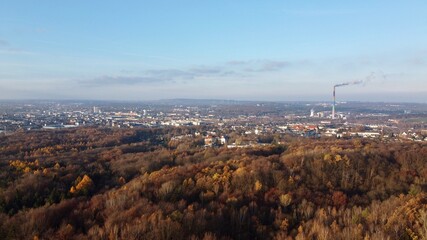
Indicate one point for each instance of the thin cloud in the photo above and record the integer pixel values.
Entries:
(169, 74)
(155, 77)
(259, 65)
(7, 48)
(417, 61)
(15, 51)
(205, 70)
(160, 76)
(213, 71)
(120, 80)
(4, 43)
(237, 63)
(272, 66)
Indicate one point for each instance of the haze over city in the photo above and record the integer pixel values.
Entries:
(243, 50)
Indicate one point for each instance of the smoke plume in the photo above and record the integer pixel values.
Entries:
(348, 83)
(367, 79)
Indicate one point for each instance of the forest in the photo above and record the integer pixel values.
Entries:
(104, 183)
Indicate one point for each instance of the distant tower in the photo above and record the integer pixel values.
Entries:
(312, 112)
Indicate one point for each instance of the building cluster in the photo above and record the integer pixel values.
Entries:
(232, 125)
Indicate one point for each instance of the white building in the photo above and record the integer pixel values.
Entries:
(223, 140)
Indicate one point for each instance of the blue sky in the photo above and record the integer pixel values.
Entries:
(244, 50)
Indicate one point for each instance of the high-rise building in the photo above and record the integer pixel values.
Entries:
(96, 110)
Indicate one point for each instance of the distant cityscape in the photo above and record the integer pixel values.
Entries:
(217, 120)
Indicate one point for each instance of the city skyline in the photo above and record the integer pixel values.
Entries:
(275, 51)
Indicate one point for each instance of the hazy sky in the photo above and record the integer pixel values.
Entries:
(244, 50)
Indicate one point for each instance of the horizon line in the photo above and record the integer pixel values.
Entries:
(199, 99)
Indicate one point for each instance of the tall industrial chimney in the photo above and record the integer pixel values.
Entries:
(333, 106)
(341, 85)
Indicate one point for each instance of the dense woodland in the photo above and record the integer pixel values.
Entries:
(97, 183)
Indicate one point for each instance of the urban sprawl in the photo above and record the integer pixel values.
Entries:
(226, 123)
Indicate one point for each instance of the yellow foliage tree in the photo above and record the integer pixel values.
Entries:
(83, 187)
(327, 157)
(258, 186)
(57, 166)
(285, 199)
(85, 183)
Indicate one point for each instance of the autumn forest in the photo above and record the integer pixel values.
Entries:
(103, 183)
